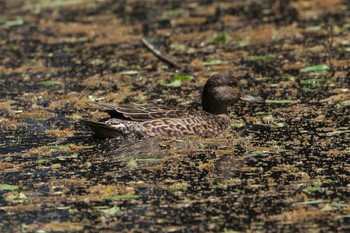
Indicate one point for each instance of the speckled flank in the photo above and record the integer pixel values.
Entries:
(219, 92)
(205, 126)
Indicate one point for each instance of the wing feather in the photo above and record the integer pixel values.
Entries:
(142, 113)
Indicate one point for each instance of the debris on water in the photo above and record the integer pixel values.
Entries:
(280, 166)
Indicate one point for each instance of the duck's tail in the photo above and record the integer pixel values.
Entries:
(103, 130)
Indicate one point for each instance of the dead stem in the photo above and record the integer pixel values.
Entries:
(158, 54)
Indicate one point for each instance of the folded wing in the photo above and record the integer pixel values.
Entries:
(142, 113)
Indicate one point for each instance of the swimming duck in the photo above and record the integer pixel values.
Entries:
(219, 92)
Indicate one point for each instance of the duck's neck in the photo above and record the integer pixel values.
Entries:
(213, 107)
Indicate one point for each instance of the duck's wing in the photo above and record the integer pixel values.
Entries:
(142, 113)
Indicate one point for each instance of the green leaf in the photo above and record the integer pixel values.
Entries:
(14, 48)
(337, 132)
(49, 83)
(316, 68)
(18, 197)
(16, 22)
(260, 152)
(57, 3)
(132, 163)
(21, 196)
(8, 187)
(178, 187)
(262, 58)
(175, 83)
(118, 197)
(279, 101)
(242, 43)
(312, 81)
(278, 124)
(130, 72)
(313, 28)
(217, 186)
(312, 202)
(333, 206)
(114, 211)
(182, 77)
(308, 89)
(213, 62)
(340, 205)
(345, 103)
(313, 189)
(173, 13)
(328, 207)
(177, 80)
(237, 124)
(178, 47)
(221, 38)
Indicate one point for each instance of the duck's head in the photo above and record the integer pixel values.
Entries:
(221, 91)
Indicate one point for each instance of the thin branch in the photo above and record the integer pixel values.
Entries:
(329, 47)
(158, 54)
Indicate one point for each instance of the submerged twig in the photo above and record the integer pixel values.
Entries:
(158, 54)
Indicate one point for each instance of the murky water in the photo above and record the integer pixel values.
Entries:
(281, 167)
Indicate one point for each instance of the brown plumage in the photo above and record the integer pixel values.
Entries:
(219, 92)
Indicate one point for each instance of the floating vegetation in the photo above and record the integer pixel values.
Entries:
(266, 58)
(178, 187)
(345, 103)
(337, 132)
(114, 211)
(178, 47)
(308, 89)
(313, 189)
(17, 197)
(177, 80)
(49, 83)
(173, 13)
(57, 3)
(259, 152)
(316, 68)
(237, 124)
(221, 39)
(175, 83)
(279, 101)
(12, 23)
(279, 167)
(313, 81)
(120, 197)
(130, 72)
(8, 187)
(213, 62)
(311, 202)
(335, 206)
(57, 146)
(183, 77)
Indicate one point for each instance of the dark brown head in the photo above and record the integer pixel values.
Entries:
(221, 91)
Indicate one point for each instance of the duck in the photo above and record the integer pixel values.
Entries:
(219, 93)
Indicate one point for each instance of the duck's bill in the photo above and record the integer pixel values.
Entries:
(252, 99)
